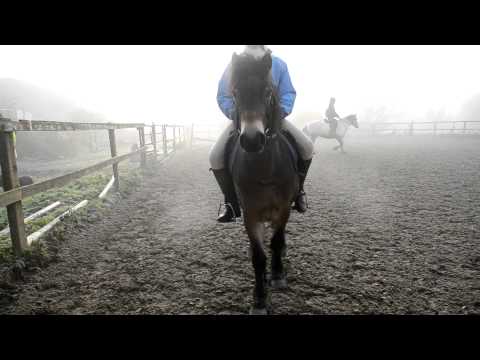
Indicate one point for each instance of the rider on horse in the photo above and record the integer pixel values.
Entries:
(287, 95)
(332, 117)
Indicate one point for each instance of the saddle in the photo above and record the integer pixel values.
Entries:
(233, 145)
(332, 123)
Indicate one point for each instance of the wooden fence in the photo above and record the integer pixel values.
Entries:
(210, 132)
(206, 132)
(424, 127)
(171, 138)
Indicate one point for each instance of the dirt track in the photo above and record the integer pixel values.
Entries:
(392, 228)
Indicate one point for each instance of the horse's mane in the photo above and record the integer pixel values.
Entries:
(350, 118)
(251, 76)
(275, 112)
(246, 65)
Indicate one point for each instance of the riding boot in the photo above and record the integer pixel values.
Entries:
(232, 209)
(301, 201)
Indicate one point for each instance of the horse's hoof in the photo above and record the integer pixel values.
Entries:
(278, 284)
(258, 311)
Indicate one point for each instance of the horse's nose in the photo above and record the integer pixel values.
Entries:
(252, 140)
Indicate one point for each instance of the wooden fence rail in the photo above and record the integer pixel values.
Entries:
(205, 132)
(434, 127)
(13, 193)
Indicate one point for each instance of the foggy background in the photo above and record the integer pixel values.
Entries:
(178, 83)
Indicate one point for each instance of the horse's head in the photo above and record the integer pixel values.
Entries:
(255, 100)
(352, 120)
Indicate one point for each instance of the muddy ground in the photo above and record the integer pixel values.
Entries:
(393, 228)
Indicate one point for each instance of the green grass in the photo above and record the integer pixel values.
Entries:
(88, 187)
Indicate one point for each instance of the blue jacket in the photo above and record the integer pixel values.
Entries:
(281, 80)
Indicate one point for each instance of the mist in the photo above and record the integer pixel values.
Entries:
(374, 211)
(178, 84)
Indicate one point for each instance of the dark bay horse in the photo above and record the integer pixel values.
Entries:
(263, 168)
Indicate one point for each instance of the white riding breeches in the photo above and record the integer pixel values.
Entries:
(217, 152)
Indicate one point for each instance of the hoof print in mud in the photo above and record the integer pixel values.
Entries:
(17, 271)
(128, 284)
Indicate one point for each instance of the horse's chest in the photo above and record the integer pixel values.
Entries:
(266, 183)
(268, 202)
(268, 195)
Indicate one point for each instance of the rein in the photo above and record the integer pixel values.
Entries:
(270, 130)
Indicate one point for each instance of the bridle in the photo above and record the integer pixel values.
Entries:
(271, 130)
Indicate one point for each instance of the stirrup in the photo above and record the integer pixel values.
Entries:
(294, 207)
(231, 208)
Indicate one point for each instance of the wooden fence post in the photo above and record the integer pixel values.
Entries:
(464, 127)
(8, 163)
(164, 140)
(143, 153)
(435, 128)
(173, 141)
(154, 141)
(113, 153)
(411, 128)
(191, 136)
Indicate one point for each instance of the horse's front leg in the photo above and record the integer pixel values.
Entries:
(256, 233)
(278, 246)
(341, 145)
(338, 146)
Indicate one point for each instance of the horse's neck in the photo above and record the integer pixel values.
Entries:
(343, 126)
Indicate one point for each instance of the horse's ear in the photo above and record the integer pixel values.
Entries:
(267, 61)
(234, 59)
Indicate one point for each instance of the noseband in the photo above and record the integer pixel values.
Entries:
(270, 131)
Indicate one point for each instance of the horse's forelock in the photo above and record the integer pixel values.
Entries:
(246, 65)
(250, 77)
(251, 84)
